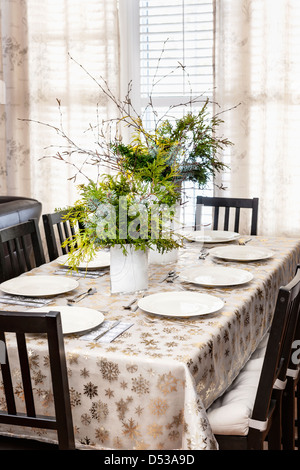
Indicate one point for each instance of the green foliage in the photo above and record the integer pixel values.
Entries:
(189, 143)
(135, 208)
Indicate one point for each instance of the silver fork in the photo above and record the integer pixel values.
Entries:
(169, 275)
(203, 253)
(81, 296)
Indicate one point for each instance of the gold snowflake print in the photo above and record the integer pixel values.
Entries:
(73, 358)
(131, 429)
(101, 434)
(109, 370)
(85, 419)
(155, 430)
(38, 377)
(75, 397)
(167, 383)
(109, 393)
(33, 359)
(158, 406)
(91, 390)
(122, 407)
(99, 410)
(140, 385)
(84, 373)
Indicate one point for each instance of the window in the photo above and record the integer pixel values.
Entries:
(176, 40)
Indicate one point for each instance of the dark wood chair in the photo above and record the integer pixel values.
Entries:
(20, 249)
(21, 323)
(258, 390)
(291, 399)
(236, 204)
(57, 230)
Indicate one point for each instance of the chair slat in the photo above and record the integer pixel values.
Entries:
(237, 219)
(216, 218)
(227, 203)
(57, 228)
(21, 249)
(26, 377)
(7, 382)
(226, 218)
(40, 322)
(24, 262)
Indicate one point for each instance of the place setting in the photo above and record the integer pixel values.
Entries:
(178, 306)
(212, 236)
(241, 253)
(90, 268)
(216, 276)
(37, 290)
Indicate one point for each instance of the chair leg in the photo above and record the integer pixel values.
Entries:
(275, 432)
(288, 416)
(297, 419)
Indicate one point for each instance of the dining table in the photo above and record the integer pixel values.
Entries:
(146, 383)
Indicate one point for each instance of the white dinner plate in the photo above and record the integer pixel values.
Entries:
(241, 253)
(101, 260)
(212, 236)
(74, 319)
(216, 276)
(38, 286)
(180, 304)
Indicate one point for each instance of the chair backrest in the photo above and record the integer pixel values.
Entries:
(278, 351)
(20, 249)
(229, 203)
(21, 323)
(57, 230)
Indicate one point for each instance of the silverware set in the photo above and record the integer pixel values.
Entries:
(203, 253)
(86, 274)
(25, 301)
(170, 277)
(116, 323)
(81, 296)
(129, 306)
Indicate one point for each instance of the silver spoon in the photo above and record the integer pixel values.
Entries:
(128, 306)
(243, 242)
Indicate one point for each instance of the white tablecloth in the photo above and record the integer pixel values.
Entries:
(150, 387)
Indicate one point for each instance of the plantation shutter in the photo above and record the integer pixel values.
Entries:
(176, 60)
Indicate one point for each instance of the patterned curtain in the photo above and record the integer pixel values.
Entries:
(258, 65)
(46, 45)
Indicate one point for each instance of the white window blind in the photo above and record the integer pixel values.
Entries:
(176, 61)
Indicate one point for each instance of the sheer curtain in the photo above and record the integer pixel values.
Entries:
(257, 64)
(44, 43)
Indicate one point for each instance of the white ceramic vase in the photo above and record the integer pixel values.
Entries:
(128, 272)
(163, 258)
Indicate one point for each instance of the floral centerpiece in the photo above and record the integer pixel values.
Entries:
(133, 206)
